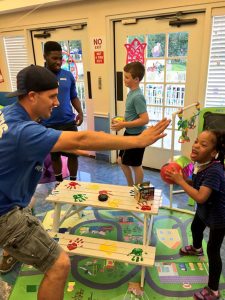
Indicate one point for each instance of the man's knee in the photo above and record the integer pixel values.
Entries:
(63, 261)
(61, 267)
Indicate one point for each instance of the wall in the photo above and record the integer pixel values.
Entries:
(20, 5)
(98, 14)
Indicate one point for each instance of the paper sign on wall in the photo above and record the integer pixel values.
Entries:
(98, 45)
(99, 57)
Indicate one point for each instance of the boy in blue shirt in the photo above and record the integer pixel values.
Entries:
(135, 119)
(24, 144)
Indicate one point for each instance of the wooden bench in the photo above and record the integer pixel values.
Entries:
(141, 255)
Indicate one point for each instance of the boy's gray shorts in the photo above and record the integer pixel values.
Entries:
(23, 237)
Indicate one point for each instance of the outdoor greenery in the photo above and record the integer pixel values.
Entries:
(178, 44)
(156, 44)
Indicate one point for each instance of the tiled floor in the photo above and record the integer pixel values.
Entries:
(92, 170)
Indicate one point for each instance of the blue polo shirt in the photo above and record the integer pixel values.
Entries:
(212, 212)
(24, 144)
(63, 114)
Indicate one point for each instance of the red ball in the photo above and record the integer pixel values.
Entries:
(172, 166)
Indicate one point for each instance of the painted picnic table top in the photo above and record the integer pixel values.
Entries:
(119, 197)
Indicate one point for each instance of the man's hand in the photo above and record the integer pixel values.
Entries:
(154, 133)
(79, 119)
(77, 106)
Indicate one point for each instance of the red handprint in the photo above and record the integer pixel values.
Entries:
(72, 184)
(73, 244)
(144, 205)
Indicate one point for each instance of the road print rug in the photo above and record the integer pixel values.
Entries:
(172, 277)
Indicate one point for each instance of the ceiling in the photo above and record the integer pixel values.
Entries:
(8, 6)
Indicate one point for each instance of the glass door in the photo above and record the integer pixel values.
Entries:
(75, 53)
(171, 56)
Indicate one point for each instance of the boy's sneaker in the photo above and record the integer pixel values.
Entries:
(7, 263)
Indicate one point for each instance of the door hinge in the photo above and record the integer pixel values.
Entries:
(45, 34)
(129, 21)
(77, 26)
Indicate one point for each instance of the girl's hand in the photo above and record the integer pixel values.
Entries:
(173, 175)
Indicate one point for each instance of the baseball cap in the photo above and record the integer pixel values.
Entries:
(34, 78)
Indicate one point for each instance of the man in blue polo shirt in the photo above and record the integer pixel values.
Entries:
(24, 144)
(63, 118)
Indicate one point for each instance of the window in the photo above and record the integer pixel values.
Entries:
(215, 92)
(16, 56)
(165, 78)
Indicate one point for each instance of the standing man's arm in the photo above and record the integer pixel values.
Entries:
(77, 106)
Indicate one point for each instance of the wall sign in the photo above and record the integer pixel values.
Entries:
(98, 46)
(99, 57)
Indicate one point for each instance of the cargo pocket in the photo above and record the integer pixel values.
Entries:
(30, 243)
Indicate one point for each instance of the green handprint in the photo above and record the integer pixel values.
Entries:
(137, 254)
(80, 197)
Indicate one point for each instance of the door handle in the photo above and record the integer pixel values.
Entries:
(119, 86)
(89, 84)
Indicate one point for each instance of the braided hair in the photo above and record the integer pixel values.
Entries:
(220, 145)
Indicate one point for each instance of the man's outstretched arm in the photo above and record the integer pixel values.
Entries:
(95, 140)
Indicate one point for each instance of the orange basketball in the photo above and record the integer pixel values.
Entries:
(173, 166)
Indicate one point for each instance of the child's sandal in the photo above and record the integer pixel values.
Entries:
(205, 294)
(190, 250)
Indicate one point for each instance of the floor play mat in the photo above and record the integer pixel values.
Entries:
(172, 277)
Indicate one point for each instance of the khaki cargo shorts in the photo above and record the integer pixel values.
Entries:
(23, 237)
